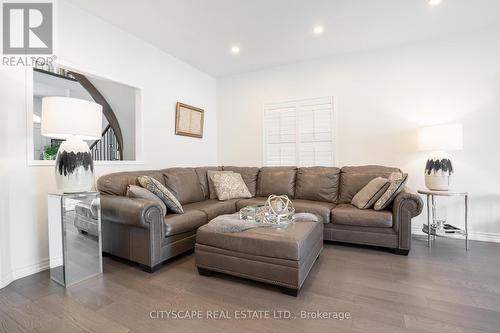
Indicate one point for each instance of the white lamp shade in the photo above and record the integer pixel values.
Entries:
(441, 137)
(63, 117)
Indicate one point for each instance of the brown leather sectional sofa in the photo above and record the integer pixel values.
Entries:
(135, 230)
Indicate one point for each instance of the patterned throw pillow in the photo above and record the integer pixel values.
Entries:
(211, 187)
(142, 193)
(230, 186)
(372, 191)
(161, 192)
(397, 184)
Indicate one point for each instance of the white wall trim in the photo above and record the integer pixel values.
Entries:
(21, 272)
(139, 111)
(6, 280)
(477, 236)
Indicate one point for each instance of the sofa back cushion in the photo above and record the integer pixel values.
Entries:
(117, 183)
(276, 180)
(201, 172)
(318, 184)
(354, 178)
(184, 184)
(249, 175)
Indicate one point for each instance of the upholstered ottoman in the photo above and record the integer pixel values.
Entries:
(282, 257)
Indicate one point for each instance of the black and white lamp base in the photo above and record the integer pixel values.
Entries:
(438, 171)
(74, 166)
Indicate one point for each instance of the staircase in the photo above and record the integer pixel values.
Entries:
(107, 148)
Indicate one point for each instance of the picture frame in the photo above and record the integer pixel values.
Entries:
(189, 120)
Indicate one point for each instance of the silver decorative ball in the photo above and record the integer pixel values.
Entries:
(278, 209)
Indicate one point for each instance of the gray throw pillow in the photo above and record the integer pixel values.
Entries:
(369, 194)
(161, 192)
(397, 184)
(230, 186)
(211, 187)
(134, 191)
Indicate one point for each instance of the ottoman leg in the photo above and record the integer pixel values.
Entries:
(204, 272)
(289, 291)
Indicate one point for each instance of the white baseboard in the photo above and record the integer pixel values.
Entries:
(5, 280)
(478, 236)
(21, 272)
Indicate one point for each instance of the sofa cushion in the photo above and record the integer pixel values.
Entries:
(201, 172)
(117, 183)
(230, 186)
(369, 194)
(295, 243)
(397, 182)
(347, 214)
(320, 209)
(184, 184)
(135, 191)
(212, 194)
(161, 192)
(250, 202)
(317, 183)
(276, 180)
(192, 219)
(249, 175)
(214, 208)
(353, 179)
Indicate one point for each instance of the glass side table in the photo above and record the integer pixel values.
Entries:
(74, 237)
(434, 227)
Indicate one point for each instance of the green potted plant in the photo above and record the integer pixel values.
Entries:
(50, 152)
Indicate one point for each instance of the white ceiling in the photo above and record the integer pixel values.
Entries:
(277, 32)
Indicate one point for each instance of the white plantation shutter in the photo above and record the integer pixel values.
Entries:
(299, 133)
(280, 135)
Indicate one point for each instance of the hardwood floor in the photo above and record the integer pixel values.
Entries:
(442, 289)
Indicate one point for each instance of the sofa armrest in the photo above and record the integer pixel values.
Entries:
(134, 212)
(406, 206)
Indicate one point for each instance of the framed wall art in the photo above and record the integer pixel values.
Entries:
(189, 120)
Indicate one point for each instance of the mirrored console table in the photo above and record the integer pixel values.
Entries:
(74, 237)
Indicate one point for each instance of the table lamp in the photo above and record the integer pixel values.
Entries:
(74, 120)
(439, 139)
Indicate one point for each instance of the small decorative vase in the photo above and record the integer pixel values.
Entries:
(438, 172)
(74, 167)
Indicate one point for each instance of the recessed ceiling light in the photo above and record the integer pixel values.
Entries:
(433, 3)
(235, 49)
(318, 30)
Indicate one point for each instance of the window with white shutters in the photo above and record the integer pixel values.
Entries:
(299, 133)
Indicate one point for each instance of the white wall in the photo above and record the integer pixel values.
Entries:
(5, 272)
(98, 47)
(382, 97)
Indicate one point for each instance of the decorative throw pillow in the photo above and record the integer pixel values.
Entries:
(161, 192)
(211, 187)
(230, 186)
(369, 194)
(397, 184)
(134, 191)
